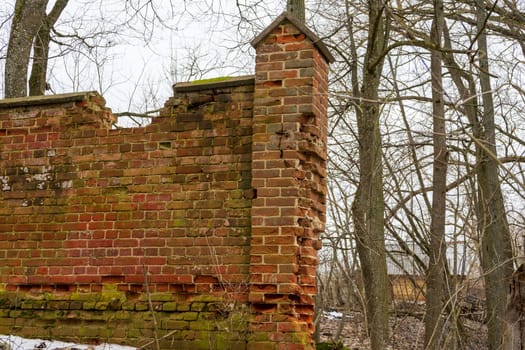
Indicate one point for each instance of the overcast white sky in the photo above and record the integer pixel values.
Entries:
(196, 39)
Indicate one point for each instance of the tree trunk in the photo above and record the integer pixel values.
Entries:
(514, 336)
(496, 244)
(37, 80)
(297, 8)
(368, 207)
(496, 247)
(435, 296)
(27, 20)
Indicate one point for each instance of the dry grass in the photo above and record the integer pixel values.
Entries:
(406, 333)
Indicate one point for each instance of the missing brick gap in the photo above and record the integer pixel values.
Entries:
(165, 145)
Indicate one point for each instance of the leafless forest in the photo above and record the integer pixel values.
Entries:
(427, 143)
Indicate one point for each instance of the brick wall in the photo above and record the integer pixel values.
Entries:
(288, 173)
(202, 226)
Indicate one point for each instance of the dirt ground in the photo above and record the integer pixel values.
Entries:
(406, 333)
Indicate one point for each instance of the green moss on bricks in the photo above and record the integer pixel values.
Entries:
(22, 314)
(147, 332)
(202, 344)
(158, 297)
(188, 335)
(169, 307)
(210, 80)
(9, 300)
(75, 305)
(109, 293)
(197, 306)
(177, 316)
(58, 305)
(183, 307)
(38, 304)
(53, 297)
(236, 194)
(179, 223)
(203, 325)
(93, 331)
(101, 305)
(5, 320)
(136, 324)
(206, 298)
(147, 317)
(128, 306)
(190, 316)
(207, 316)
(118, 333)
(221, 341)
(52, 315)
(95, 316)
(89, 305)
(238, 318)
(123, 315)
(4, 299)
(172, 325)
(259, 337)
(132, 333)
(301, 338)
(143, 306)
(85, 296)
(331, 346)
(216, 341)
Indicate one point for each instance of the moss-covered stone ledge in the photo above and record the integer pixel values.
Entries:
(180, 321)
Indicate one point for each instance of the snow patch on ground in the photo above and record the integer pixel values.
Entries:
(18, 343)
(333, 315)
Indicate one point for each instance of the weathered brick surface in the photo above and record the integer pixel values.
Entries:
(289, 171)
(214, 209)
(85, 206)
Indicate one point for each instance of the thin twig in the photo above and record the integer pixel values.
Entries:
(150, 304)
(156, 340)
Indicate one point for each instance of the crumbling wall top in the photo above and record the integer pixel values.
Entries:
(51, 99)
(214, 83)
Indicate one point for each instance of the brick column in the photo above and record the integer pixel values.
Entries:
(288, 176)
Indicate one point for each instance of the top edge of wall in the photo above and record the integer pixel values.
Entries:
(214, 83)
(46, 99)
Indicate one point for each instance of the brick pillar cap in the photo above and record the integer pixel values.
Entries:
(286, 16)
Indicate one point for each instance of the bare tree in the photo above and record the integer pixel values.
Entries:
(296, 7)
(496, 245)
(38, 78)
(435, 296)
(27, 20)
(368, 207)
